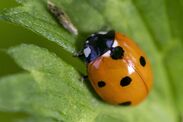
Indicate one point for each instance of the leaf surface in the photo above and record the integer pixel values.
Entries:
(155, 25)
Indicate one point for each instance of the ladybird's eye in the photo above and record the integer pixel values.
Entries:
(142, 61)
(117, 52)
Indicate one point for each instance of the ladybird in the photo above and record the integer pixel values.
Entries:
(118, 69)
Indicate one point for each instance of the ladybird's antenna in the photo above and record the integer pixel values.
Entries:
(105, 28)
(62, 17)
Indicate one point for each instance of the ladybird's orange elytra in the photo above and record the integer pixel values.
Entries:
(118, 69)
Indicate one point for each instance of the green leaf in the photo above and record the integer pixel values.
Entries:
(156, 25)
(66, 98)
(20, 99)
(34, 15)
(23, 117)
(175, 69)
(62, 91)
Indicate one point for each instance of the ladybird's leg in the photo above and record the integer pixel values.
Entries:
(79, 54)
(85, 77)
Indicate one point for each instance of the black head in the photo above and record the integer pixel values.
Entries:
(98, 44)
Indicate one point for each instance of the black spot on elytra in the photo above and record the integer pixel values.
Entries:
(101, 84)
(117, 53)
(125, 81)
(142, 61)
(125, 103)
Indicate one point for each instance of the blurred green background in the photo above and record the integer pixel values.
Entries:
(8, 37)
(11, 34)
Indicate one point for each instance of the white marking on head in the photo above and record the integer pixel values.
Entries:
(87, 52)
(107, 54)
(92, 35)
(115, 44)
(102, 32)
(87, 41)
